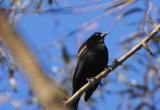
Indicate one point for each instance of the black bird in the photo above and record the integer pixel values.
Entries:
(92, 59)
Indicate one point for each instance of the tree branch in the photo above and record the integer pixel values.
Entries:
(43, 87)
(114, 65)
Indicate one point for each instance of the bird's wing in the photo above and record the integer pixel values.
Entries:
(82, 49)
(82, 57)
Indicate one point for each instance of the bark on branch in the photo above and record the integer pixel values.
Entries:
(115, 64)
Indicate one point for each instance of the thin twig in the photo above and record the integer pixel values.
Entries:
(76, 9)
(114, 66)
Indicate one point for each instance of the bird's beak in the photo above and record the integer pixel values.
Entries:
(104, 34)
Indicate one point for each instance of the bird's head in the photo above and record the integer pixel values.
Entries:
(97, 38)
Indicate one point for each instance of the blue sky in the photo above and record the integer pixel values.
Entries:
(39, 30)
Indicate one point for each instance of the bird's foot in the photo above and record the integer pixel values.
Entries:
(91, 80)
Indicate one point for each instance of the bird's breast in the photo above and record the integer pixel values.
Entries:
(98, 56)
(98, 51)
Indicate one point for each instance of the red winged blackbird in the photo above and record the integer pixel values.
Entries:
(92, 59)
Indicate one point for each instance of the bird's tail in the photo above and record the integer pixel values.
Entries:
(74, 106)
(90, 91)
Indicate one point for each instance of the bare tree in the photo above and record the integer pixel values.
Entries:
(16, 55)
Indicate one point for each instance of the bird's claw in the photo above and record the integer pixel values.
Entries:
(91, 80)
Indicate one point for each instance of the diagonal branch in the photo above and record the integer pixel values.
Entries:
(117, 63)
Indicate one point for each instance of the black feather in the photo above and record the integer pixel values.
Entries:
(92, 59)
